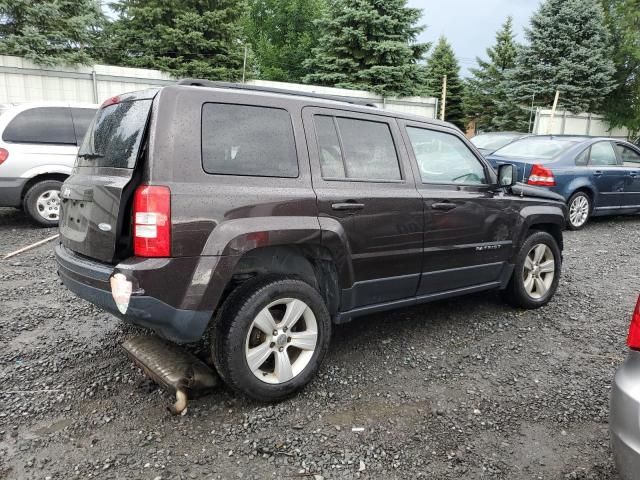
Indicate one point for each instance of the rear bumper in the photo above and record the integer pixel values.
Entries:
(11, 191)
(625, 417)
(90, 280)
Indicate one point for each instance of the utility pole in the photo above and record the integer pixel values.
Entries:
(553, 113)
(444, 98)
(244, 65)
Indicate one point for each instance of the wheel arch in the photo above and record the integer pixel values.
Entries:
(61, 177)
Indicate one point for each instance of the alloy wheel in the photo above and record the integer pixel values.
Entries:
(281, 340)
(539, 271)
(579, 211)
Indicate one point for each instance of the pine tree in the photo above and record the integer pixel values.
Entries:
(444, 62)
(568, 51)
(369, 45)
(486, 95)
(190, 38)
(623, 104)
(282, 35)
(50, 32)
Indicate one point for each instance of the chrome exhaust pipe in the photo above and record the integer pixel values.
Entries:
(173, 368)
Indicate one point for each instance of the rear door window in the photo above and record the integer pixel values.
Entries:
(82, 118)
(356, 149)
(45, 125)
(248, 140)
(114, 136)
(602, 155)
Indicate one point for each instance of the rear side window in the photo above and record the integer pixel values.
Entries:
(48, 125)
(356, 149)
(248, 141)
(603, 154)
(114, 136)
(82, 118)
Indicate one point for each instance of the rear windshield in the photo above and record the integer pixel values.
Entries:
(536, 148)
(493, 142)
(114, 136)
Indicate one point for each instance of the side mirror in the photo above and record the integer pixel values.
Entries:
(506, 175)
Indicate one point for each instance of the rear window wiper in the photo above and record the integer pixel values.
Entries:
(90, 156)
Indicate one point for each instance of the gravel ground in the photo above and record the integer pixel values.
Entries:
(467, 388)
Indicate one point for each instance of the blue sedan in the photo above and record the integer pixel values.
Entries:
(596, 176)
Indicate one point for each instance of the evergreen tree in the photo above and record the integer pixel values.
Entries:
(50, 32)
(369, 45)
(486, 95)
(623, 104)
(568, 51)
(282, 35)
(190, 38)
(444, 62)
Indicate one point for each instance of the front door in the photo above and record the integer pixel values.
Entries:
(366, 192)
(630, 159)
(469, 228)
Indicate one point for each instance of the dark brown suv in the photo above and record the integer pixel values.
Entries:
(270, 215)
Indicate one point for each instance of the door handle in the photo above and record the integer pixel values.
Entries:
(446, 206)
(597, 173)
(345, 206)
(633, 174)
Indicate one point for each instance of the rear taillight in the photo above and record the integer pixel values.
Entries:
(152, 221)
(633, 340)
(542, 177)
(4, 154)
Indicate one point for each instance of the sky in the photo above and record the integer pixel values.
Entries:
(471, 25)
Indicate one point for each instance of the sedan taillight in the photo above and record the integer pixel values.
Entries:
(541, 177)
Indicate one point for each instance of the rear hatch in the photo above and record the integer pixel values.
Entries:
(96, 198)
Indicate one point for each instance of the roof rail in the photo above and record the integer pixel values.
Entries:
(196, 82)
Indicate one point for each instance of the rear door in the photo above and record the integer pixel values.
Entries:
(469, 228)
(95, 198)
(365, 188)
(630, 159)
(608, 176)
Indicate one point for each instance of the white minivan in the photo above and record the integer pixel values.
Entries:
(38, 147)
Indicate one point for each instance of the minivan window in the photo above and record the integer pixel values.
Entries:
(82, 118)
(114, 137)
(248, 141)
(356, 149)
(444, 158)
(47, 125)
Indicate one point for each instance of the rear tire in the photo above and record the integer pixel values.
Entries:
(42, 203)
(579, 210)
(270, 337)
(537, 272)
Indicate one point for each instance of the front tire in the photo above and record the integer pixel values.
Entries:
(537, 272)
(270, 337)
(42, 203)
(579, 210)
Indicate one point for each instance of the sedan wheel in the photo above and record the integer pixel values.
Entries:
(539, 271)
(281, 340)
(579, 209)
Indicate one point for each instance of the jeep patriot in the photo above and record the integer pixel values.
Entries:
(261, 217)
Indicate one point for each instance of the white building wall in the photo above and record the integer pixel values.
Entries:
(567, 123)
